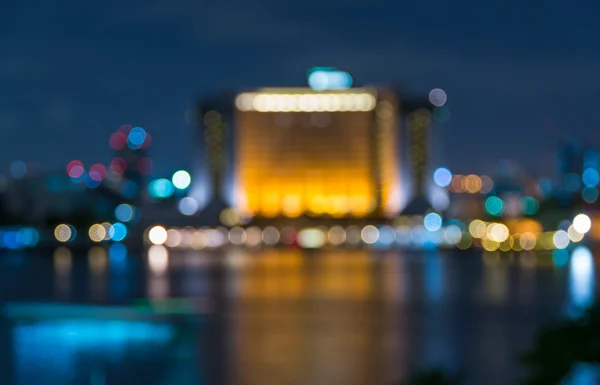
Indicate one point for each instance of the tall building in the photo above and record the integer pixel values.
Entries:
(417, 120)
(317, 153)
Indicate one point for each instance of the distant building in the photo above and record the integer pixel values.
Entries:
(326, 154)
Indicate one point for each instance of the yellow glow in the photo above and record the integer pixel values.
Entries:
(574, 235)
(527, 241)
(157, 235)
(489, 244)
(308, 168)
(497, 232)
(321, 102)
(472, 184)
(477, 228)
(63, 233)
(97, 233)
(507, 244)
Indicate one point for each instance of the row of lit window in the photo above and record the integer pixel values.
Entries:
(305, 102)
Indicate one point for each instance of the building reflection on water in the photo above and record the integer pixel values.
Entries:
(299, 317)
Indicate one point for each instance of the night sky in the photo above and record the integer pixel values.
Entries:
(519, 75)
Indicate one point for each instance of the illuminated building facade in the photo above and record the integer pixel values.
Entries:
(324, 154)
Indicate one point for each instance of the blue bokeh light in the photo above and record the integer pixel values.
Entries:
(136, 138)
(18, 169)
(494, 206)
(590, 177)
(161, 188)
(432, 222)
(117, 232)
(442, 177)
(589, 194)
(124, 212)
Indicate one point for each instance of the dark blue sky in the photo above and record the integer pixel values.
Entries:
(519, 75)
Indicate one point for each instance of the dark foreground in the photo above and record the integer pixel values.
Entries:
(279, 316)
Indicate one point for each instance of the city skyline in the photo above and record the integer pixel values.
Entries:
(147, 66)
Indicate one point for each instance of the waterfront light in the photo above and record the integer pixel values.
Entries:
(157, 235)
(181, 179)
(582, 223)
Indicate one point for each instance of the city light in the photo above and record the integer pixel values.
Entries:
(561, 239)
(188, 206)
(582, 223)
(494, 206)
(97, 233)
(18, 169)
(438, 97)
(157, 235)
(321, 79)
(124, 212)
(442, 177)
(574, 235)
(161, 188)
(64, 233)
(117, 232)
(311, 238)
(136, 138)
(181, 179)
(325, 102)
(432, 222)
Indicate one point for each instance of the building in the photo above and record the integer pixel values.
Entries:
(300, 152)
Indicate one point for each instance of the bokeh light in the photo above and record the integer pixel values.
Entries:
(181, 179)
(311, 238)
(124, 212)
(574, 235)
(72, 164)
(118, 165)
(117, 232)
(494, 206)
(438, 97)
(589, 194)
(458, 184)
(472, 184)
(136, 138)
(442, 177)
(157, 235)
(477, 228)
(487, 185)
(18, 169)
(97, 232)
(98, 172)
(161, 188)
(63, 233)
(118, 140)
(188, 206)
(369, 234)
(561, 239)
(529, 206)
(590, 177)
(582, 223)
(432, 222)
(497, 232)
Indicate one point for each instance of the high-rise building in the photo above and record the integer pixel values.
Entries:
(317, 153)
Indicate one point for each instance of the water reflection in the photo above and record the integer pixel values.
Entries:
(62, 272)
(158, 280)
(582, 280)
(98, 264)
(47, 352)
(334, 315)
